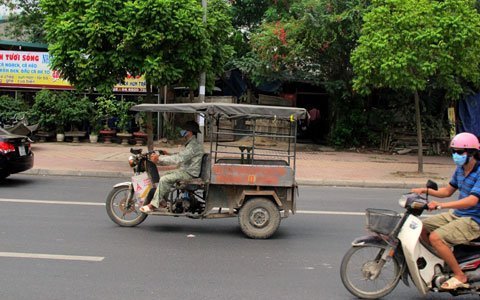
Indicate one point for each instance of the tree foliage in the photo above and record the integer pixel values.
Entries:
(248, 14)
(25, 21)
(411, 44)
(309, 41)
(96, 44)
(11, 107)
(84, 37)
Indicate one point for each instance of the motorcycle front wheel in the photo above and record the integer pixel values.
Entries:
(363, 274)
(123, 208)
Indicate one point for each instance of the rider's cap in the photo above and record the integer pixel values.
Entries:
(191, 126)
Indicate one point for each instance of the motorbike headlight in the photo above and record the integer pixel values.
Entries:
(131, 161)
(403, 201)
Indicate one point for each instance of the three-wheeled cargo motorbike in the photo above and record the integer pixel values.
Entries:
(248, 171)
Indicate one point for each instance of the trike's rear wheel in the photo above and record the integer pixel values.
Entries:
(365, 275)
(259, 218)
(123, 208)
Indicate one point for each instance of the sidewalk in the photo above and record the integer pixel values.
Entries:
(315, 165)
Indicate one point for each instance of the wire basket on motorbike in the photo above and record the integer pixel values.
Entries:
(382, 221)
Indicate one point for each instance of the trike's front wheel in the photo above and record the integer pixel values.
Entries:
(259, 218)
(122, 207)
(365, 275)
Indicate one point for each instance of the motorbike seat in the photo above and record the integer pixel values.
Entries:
(475, 242)
(200, 181)
(465, 253)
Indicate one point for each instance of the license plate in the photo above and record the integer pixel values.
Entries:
(22, 151)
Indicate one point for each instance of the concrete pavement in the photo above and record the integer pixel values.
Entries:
(316, 165)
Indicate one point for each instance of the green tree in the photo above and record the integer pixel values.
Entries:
(96, 44)
(11, 108)
(311, 41)
(83, 39)
(412, 45)
(25, 21)
(248, 14)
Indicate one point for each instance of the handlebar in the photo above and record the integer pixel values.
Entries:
(139, 152)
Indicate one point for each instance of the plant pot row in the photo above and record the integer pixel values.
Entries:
(107, 135)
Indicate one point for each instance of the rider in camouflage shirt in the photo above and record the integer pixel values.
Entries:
(189, 161)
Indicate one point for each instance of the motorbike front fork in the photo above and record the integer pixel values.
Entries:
(382, 257)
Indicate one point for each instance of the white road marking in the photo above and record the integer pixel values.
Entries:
(306, 212)
(51, 256)
(51, 202)
(326, 212)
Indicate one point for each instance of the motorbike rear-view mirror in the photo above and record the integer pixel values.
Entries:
(135, 151)
(432, 185)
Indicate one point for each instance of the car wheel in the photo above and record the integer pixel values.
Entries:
(3, 175)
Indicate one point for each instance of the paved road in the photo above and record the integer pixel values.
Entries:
(89, 257)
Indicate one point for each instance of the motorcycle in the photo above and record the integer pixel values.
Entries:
(123, 204)
(18, 124)
(374, 265)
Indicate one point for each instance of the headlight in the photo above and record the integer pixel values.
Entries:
(403, 201)
(131, 161)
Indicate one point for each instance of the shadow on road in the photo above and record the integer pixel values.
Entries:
(15, 181)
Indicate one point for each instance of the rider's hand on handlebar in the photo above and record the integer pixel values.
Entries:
(418, 191)
(162, 152)
(154, 157)
(433, 205)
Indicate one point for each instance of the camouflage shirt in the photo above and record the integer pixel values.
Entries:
(189, 159)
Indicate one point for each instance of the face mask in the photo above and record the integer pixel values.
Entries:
(183, 133)
(459, 160)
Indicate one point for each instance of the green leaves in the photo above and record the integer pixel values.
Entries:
(312, 43)
(409, 44)
(95, 44)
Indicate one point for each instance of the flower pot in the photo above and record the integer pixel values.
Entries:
(107, 135)
(93, 138)
(60, 137)
(140, 138)
(124, 136)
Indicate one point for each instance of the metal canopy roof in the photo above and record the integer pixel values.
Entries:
(227, 109)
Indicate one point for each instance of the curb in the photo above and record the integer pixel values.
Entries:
(301, 181)
(79, 173)
(363, 184)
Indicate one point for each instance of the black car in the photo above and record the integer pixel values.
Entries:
(15, 153)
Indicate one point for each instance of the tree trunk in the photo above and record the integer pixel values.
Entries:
(149, 99)
(419, 132)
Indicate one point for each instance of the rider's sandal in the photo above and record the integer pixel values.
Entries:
(453, 284)
(146, 209)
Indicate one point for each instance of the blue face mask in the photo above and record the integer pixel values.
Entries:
(459, 159)
(183, 132)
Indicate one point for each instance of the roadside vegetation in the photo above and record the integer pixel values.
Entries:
(386, 65)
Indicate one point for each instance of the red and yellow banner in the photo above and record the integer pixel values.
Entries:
(24, 69)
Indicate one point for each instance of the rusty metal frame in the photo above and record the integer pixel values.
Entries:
(268, 193)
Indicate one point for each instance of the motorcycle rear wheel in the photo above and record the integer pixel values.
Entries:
(122, 207)
(357, 269)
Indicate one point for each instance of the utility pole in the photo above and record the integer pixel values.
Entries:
(201, 92)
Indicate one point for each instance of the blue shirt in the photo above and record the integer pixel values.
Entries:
(467, 186)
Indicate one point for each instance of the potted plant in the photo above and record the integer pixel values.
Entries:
(140, 135)
(106, 108)
(75, 113)
(59, 107)
(124, 119)
(44, 111)
(95, 128)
